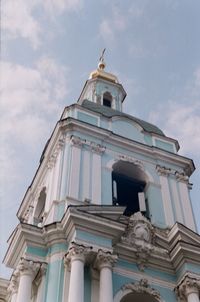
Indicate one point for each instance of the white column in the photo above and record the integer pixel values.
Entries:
(49, 186)
(97, 150)
(27, 270)
(41, 289)
(66, 279)
(13, 288)
(189, 289)
(169, 216)
(105, 262)
(185, 200)
(76, 256)
(75, 167)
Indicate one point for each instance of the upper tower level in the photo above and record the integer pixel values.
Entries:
(103, 88)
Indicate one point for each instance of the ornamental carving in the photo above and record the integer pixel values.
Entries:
(97, 148)
(181, 177)
(163, 171)
(140, 235)
(105, 259)
(142, 287)
(131, 160)
(14, 283)
(76, 141)
(189, 284)
(28, 267)
(76, 252)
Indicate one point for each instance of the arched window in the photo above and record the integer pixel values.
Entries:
(138, 297)
(107, 99)
(128, 184)
(39, 210)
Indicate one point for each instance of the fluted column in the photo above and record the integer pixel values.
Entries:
(13, 287)
(189, 289)
(27, 271)
(105, 262)
(76, 257)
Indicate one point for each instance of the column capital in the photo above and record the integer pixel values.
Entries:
(28, 267)
(105, 259)
(76, 141)
(14, 283)
(187, 286)
(163, 171)
(76, 252)
(97, 148)
(181, 177)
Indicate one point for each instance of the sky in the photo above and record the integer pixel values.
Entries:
(48, 49)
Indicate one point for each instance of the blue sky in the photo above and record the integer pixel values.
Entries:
(49, 47)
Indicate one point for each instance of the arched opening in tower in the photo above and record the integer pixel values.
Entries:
(128, 185)
(107, 99)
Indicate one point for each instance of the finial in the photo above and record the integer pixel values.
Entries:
(102, 64)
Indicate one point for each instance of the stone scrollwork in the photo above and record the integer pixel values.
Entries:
(181, 177)
(132, 160)
(142, 287)
(14, 283)
(76, 252)
(76, 141)
(105, 259)
(140, 235)
(163, 171)
(97, 148)
(28, 267)
(188, 285)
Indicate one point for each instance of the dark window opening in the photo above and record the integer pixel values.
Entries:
(107, 99)
(40, 207)
(126, 193)
(107, 103)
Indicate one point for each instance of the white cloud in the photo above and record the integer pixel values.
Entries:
(181, 120)
(19, 17)
(110, 26)
(30, 100)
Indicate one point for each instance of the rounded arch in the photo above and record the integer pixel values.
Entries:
(138, 292)
(128, 186)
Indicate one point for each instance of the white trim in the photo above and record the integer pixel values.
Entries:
(167, 205)
(86, 175)
(186, 205)
(96, 178)
(179, 214)
(75, 172)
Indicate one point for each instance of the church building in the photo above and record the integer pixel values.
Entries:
(108, 215)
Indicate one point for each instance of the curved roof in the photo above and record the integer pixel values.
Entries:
(109, 112)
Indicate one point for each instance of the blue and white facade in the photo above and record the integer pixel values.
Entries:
(108, 216)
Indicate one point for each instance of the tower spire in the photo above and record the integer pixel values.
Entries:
(102, 63)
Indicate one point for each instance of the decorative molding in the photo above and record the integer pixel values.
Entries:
(105, 259)
(131, 160)
(14, 283)
(97, 148)
(76, 141)
(140, 235)
(163, 171)
(29, 267)
(76, 252)
(143, 288)
(188, 285)
(181, 177)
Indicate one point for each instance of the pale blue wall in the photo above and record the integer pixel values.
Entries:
(87, 118)
(164, 145)
(127, 129)
(94, 239)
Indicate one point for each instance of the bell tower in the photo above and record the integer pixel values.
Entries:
(108, 215)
